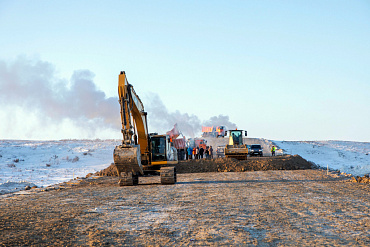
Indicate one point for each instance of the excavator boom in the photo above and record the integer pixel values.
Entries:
(134, 150)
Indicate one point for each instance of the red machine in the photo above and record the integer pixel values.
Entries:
(214, 131)
(178, 143)
(197, 142)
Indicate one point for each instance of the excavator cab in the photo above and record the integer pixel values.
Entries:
(158, 144)
(162, 150)
(162, 155)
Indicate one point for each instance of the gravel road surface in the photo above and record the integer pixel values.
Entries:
(262, 208)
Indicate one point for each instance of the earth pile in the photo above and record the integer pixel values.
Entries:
(287, 162)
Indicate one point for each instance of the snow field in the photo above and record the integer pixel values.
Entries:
(44, 163)
(348, 157)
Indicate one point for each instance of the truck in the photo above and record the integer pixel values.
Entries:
(220, 151)
(178, 142)
(197, 142)
(213, 131)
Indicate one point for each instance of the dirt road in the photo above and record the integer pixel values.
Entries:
(264, 208)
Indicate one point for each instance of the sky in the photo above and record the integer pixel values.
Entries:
(282, 70)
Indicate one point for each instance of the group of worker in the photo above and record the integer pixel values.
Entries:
(199, 153)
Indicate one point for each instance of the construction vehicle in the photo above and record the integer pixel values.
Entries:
(213, 131)
(178, 142)
(197, 142)
(220, 151)
(236, 148)
(140, 152)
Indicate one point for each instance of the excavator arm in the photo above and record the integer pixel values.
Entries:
(133, 116)
(135, 149)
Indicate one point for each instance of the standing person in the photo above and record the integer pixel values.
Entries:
(194, 153)
(273, 150)
(197, 153)
(211, 152)
(207, 153)
(189, 152)
(201, 151)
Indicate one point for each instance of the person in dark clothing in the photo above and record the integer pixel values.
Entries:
(211, 152)
(207, 153)
(201, 151)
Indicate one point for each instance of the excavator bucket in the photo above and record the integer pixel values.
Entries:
(127, 159)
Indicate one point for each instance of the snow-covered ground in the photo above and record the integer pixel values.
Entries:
(44, 163)
(348, 157)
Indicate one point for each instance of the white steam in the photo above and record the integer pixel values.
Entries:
(34, 87)
(161, 120)
(50, 103)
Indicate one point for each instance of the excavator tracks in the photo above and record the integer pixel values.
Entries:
(128, 179)
(168, 175)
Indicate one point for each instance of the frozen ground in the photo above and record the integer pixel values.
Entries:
(349, 157)
(45, 163)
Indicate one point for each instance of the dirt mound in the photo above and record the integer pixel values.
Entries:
(287, 162)
(364, 180)
(109, 171)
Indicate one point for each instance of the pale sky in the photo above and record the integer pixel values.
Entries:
(283, 70)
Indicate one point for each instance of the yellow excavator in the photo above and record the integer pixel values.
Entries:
(236, 149)
(140, 152)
